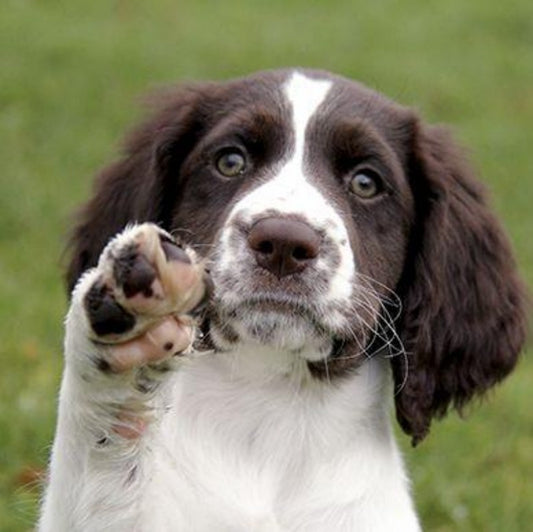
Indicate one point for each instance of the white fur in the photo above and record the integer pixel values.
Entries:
(238, 441)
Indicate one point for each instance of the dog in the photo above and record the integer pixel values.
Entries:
(274, 262)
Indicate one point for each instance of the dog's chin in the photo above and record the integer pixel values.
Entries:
(283, 331)
(281, 325)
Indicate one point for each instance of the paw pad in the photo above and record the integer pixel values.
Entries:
(134, 273)
(105, 314)
(143, 277)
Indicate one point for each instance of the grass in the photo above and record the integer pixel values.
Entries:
(70, 74)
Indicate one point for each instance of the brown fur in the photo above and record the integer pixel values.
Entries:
(463, 322)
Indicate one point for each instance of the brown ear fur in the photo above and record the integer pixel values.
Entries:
(464, 319)
(142, 186)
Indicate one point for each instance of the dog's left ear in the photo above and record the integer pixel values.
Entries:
(464, 320)
(143, 185)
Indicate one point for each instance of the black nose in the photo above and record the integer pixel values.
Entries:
(283, 246)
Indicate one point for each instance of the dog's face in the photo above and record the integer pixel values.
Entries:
(324, 209)
(301, 197)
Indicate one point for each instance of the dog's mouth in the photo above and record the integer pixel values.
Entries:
(272, 319)
(275, 304)
(280, 303)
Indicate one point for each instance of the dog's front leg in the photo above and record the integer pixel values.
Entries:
(127, 330)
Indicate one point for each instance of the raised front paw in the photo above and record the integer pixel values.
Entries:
(138, 299)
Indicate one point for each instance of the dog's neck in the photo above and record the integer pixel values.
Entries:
(361, 398)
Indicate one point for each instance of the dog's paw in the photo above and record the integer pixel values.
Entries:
(140, 294)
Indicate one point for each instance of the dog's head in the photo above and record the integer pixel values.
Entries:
(338, 227)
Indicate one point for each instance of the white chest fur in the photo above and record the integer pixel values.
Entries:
(281, 453)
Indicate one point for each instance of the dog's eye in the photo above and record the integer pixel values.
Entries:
(231, 163)
(366, 184)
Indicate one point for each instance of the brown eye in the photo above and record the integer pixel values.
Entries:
(366, 184)
(231, 163)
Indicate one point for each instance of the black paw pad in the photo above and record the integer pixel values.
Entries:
(105, 314)
(173, 251)
(134, 273)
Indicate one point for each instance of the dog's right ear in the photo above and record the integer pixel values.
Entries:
(143, 184)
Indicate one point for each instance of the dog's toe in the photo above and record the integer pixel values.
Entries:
(106, 316)
(173, 251)
(134, 273)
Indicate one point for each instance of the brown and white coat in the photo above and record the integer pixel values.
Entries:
(336, 254)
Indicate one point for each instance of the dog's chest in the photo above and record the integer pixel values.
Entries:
(269, 421)
(269, 446)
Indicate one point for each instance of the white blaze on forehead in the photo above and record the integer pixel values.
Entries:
(291, 192)
(305, 96)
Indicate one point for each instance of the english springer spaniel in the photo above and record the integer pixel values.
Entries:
(294, 252)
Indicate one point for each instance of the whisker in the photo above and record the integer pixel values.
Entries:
(327, 370)
(377, 299)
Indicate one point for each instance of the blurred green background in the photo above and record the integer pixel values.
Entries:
(70, 75)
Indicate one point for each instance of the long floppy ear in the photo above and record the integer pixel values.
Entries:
(142, 185)
(464, 317)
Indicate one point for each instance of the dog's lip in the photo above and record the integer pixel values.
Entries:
(280, 304)
(276, 302)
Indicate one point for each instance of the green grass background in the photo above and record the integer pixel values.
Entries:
(70, 73)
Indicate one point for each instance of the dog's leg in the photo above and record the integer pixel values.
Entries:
(126, 330)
